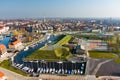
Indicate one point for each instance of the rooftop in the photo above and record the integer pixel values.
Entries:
(2, 46)
(16, 42)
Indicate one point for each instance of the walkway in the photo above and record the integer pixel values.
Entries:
(99, 65)
(55, 77)
(12, 75)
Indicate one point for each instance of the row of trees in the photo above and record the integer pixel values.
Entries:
(89, 37)
(25, 36)
(114, 44)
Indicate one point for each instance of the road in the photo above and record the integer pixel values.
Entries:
(5, 56)
(99, 65)
(12, 75)
(109, 78)
(69, 77)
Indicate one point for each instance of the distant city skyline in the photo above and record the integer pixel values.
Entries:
(59, 8)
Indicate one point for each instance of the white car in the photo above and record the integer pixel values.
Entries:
(47, 70)
(83, 64)
(17, 65)
(20, 66)
(38, 69)
(66, 71)
(81, 72)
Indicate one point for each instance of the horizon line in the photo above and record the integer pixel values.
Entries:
(60, 17)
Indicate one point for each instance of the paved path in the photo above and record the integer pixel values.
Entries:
(55, 77)
(6, 56)
(91, 77)
(99, 65)
(12, 75)
(109, 78)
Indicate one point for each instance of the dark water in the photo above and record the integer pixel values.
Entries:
(5, 41)
(35, 65)
(18, 58)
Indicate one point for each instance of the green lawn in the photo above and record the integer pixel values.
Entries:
(101, 54)
(48, 53)
(5, 64)
(63, 41)
(59, 38)
(117, 61)
(87, 36)
(42, 54)
(29, 43)
(59, 53)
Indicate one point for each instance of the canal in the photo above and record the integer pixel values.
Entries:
(35, 65)
(19, 57)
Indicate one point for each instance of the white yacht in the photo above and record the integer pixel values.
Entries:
(66, 71)
(1, 38)
(38, 69)
(26, 48)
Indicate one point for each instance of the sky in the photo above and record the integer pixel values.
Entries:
(59, 8)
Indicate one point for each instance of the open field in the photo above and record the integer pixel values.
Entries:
(101, 54)
(56, 54)
(117, 61)
(64, 40)
(87, 36)
(58, 43)
(5, 64)
(52, 52)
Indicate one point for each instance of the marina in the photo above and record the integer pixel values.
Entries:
(45, 67)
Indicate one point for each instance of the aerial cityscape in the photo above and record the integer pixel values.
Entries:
(59, 40)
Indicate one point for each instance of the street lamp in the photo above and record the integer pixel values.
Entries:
(62, 68)
(37, 66)
(73, 62)
(46, 67)
(43, 61)
(24, 62)
(60, 62)
(37, 63)
(66, 67)
(31, 66)
(53, 67)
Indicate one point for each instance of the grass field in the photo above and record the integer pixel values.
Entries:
(117, 61)
(101, 54)
(56, 54)
(50, 53)
(5, 64)
(111, 41)
(64, 40)
(42, 54)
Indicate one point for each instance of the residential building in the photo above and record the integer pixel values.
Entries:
(93, 45)
(3, 29)
(17, 45)
(3, 50)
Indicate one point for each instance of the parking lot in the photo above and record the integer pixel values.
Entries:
(43, 67)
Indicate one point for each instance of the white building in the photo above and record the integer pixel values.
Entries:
(17, 45)
(3, 29)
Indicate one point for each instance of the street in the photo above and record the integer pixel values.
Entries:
(12, 75)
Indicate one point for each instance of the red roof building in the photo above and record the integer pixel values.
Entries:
(3, 50)
(15, 45)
